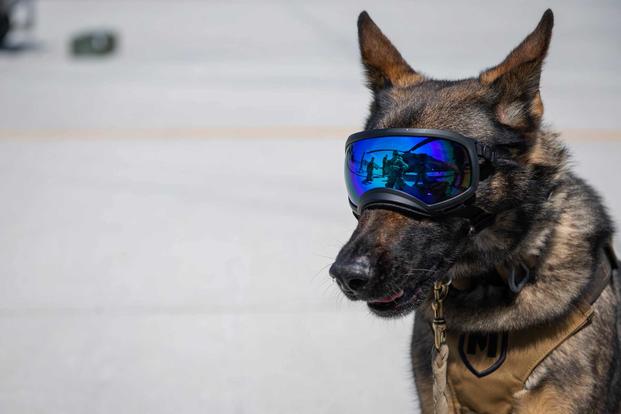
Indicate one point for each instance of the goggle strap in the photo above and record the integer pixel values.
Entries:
(486, 152)
(479, 218)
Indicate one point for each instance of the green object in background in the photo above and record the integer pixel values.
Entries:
(95, 43)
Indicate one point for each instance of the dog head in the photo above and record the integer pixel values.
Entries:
(392, 260)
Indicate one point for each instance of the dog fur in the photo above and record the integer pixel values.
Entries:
(544, 213)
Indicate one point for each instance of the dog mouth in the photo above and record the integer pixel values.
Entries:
(400, 303)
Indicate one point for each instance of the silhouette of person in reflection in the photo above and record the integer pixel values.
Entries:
(396, 170)
(384, 165)
(370, 167)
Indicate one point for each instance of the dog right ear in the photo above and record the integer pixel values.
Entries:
(382, 61)
(517, 78)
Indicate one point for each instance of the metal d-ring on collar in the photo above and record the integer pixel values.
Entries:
(517, 282)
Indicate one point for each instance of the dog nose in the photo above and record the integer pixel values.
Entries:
(352, 275)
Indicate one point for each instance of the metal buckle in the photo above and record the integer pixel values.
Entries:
(486, 152)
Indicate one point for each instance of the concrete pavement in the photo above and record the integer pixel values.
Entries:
(146, 269)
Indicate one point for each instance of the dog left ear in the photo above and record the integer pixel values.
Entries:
(516, 79)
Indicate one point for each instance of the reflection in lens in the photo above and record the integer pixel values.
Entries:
(430, 169)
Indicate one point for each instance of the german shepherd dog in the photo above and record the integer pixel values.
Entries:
(544, 214)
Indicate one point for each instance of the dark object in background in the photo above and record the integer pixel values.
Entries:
(94, 43)
(5, 26)
(15, 16)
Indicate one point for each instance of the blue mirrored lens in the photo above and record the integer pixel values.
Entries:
(430, 169)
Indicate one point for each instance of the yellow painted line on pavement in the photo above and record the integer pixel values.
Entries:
(280, 132)
(276, 132)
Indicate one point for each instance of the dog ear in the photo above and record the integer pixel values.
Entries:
(517, 78)
(382, 61)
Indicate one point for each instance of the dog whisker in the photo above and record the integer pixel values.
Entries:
(320, 270)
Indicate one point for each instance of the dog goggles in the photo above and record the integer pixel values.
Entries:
(425, 171)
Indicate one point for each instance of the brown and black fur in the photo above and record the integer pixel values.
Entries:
(544, 213)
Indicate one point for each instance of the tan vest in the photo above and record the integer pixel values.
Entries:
(486, 370)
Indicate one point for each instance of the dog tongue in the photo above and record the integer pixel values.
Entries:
(387, 299)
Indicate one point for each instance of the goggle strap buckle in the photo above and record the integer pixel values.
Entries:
(486, 152)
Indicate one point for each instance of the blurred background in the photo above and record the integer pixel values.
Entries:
(171, 192)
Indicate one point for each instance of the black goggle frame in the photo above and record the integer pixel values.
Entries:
(479, 154)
